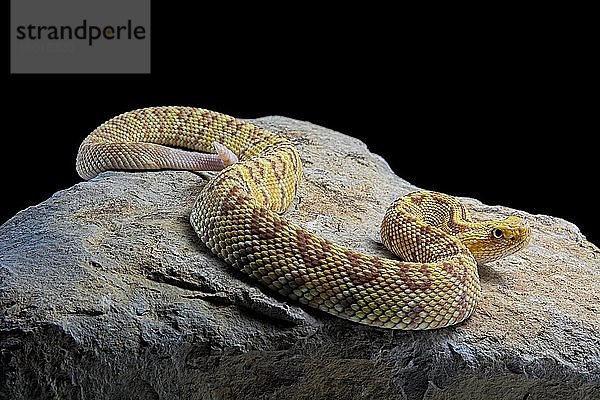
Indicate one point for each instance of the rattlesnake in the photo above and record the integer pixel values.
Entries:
(237, 216)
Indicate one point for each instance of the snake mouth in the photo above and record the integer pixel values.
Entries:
(521, 239)
(525, 233)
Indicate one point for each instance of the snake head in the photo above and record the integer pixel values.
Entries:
(493, 240)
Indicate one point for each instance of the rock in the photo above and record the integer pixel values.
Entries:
(106, 293)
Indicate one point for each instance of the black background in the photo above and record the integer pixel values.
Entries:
(499, 110)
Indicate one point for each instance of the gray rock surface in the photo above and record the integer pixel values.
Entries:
(106, 293)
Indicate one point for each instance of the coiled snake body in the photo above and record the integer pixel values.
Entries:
(237, 216)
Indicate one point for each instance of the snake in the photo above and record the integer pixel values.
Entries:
(432, 282)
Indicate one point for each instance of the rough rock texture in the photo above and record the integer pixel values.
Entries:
(106, 293)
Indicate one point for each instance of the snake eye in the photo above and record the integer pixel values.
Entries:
(497, 233)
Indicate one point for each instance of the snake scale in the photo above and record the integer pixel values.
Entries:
(237, 215)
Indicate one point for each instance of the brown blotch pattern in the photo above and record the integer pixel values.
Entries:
(361, 269)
